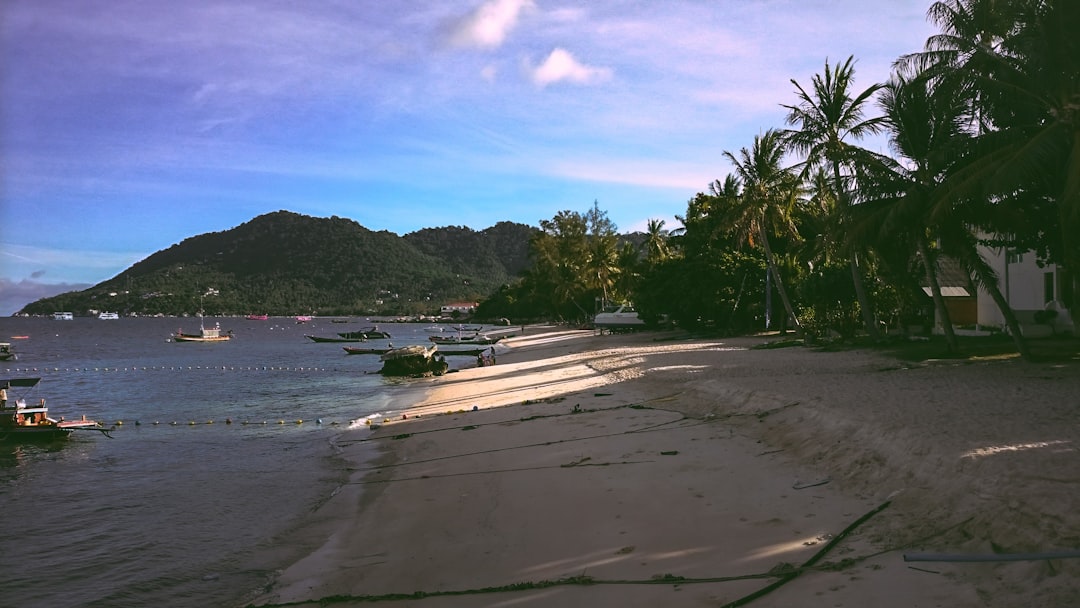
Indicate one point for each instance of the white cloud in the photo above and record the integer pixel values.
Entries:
(561, 65)
(488, 26)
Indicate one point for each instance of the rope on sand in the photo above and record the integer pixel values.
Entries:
(793, 573)
(786, 575)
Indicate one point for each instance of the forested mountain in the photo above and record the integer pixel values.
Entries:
(284, 263)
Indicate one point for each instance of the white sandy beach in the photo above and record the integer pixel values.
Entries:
(694, 473)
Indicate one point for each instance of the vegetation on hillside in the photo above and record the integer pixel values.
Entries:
(284, 263)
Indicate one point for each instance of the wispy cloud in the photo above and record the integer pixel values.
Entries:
(560, 66)
(488, 26)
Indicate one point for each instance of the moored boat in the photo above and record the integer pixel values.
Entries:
(326, 339)
(6, 353)
(371, 333)
(63, 316)
(355, 350)
(108, 316)
(206, 334)
(258, 317)
(470, 339)
(413, 360)
(20, 422)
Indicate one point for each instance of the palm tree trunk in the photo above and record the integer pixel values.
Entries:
(856, 275)
(951, 343)
(771, 260)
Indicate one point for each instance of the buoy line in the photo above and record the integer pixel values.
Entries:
(119, 424)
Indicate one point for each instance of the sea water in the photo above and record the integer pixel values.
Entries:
(216, 450)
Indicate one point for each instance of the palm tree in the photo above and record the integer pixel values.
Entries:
(1015, 63)
(924, 126)
(768, 193)
(656, 248)
(827, 118)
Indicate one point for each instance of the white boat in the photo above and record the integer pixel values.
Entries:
(618, 316)
(108, 316)
(63, 316)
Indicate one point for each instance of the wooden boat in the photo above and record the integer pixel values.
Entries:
(6, 354)
(353, 350)
(413, 360)
(471, 339)
(323, 339)
(19, 422)
(371, 333)
(206, 334)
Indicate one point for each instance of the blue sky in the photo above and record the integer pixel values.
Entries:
(128, 126)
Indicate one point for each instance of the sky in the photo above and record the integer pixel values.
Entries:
(128, 126)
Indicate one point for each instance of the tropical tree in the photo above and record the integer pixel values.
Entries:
(1016, 63)
(828, 117)
(925, 127)
(764, 205)
(655, 245)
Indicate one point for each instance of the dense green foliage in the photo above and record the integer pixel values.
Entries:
(284, 263)
(985, 128)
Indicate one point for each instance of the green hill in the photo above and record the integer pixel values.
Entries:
(284, 263)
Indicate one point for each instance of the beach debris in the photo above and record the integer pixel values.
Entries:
(810, 484)
(625, 550)
(669, 453)
(576, 462)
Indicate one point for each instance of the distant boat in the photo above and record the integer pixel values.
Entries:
(303, 319)
(618, 317)
(460, 339)
(63, 316)
(258, 317)
(371, 333)
(339, 320)
(322, 339)
(206, 334)
(108, 316)
(19, 422)
(355, 350)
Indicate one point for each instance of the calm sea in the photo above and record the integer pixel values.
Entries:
(166, 512)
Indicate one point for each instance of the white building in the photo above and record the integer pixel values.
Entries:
(1030, 290)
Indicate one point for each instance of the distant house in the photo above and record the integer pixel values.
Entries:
(1040, 296)
(461, 308)
(958, 291)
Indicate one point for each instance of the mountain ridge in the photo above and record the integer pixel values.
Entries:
(285, 263)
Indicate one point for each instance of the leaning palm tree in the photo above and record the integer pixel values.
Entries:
(1021, 59)
(925, 125)
(827, 118)
(768, 193)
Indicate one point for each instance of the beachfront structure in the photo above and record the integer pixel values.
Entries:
(1040, 295)
(462, 308)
